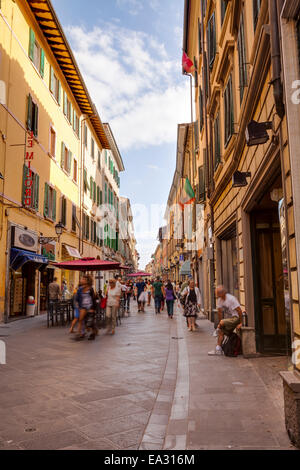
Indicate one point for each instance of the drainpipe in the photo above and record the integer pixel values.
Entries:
(274, 6)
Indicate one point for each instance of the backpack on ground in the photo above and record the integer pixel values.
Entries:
(232, 345)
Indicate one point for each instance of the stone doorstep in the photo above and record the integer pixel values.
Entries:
(292, 380)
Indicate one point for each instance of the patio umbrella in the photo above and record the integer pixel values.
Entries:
(88, 264)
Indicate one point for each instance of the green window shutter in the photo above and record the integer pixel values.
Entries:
(64, 211)
(36, 180)
(36, 120)
(59, 93)
(62, 161)
(25, 170)
(98, 196)
(101, 198)
(201, 184)
(65, 104)
(31, 44)
(46, 201)
(87, 227)
(69, 162)
(94, 191)
(54, 194)
(91, 188)
(42, 64)
(29, 113)
(51, 86)
(85, 183)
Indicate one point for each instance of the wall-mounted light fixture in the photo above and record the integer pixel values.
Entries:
(256, 133)
(239, 179)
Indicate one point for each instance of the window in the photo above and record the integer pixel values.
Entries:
(224, 4)
(217, 144)
(212, 40)
(74, 217)
(86, 226)
(55, 86)
(99, 161)
(196, 71)
(75, 123)
(196, 132)
(256, 9)
(75, 169)
(85, 181)
(52, 142)
(36, 53)
(30, 189)
(242, 58)
(68, 110)
(63, 211)
(203, 4)
(85, 135)
(199, 37)
(32, 116)
(229, 112)
(66, 159)
(50, 203)
(201, 116)
(201, 195)
(93, 231)
(92, 148)
(91, 187)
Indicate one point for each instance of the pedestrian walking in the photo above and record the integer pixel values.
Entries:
(149, 292)
(76, 309)
(140, 289)
(129, 293)
(192, 304)
(112, 305)
(157, 293)
(86, 299)
(170, 298)
(228, 305)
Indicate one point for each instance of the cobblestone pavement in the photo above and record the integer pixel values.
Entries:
(151, 386)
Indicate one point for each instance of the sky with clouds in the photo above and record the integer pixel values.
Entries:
(129, 53)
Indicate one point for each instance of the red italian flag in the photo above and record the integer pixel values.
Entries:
(187, 195)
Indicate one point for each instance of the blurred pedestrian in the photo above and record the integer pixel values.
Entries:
(170, 298)
(192, 304)
(86, 299)
(112, 305)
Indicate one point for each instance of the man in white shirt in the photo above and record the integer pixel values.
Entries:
(228, 304)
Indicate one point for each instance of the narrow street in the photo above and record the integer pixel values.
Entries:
(151, 386)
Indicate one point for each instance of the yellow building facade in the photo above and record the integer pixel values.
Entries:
(42, 113)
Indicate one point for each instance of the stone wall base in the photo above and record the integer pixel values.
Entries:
(248, 342)
(291, 388)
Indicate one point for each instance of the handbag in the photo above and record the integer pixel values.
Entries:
(103, 303)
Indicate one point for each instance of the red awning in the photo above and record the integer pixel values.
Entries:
(88, 264)
(124, 267)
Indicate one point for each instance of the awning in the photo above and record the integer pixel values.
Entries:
(20, 257)
(73, 252)
(88, 265)
(185, 269)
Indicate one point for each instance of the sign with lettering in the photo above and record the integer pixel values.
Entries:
(28, 183)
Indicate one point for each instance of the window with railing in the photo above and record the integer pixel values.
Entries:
(217, 143)
(229, 112)
(211, 40)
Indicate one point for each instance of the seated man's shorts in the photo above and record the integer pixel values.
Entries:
(229, 325)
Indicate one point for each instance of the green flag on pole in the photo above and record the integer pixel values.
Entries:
(187, 195)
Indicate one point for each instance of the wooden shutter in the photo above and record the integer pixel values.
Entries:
(62, 161)
(101, 198)
(42, 63)
(64, 211)
(65, 104)
(46, 201)
(36, 180)
(199, 37)
(59, 92)
(51, 86)
(25, 170)
(36, 120)
(201, 184)
(54, 194)
(69, 162)
(31, 44)
(29, 113)
(91, 188)
(94, 191)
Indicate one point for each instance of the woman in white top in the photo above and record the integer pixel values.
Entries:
(112, 305)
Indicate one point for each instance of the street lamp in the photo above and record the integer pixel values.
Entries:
(256, 133)
(59, 228)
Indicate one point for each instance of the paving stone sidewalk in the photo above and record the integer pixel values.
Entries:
(151, 386)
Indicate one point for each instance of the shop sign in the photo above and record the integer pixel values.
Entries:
(48, 251)
(29, 157)
(24, 240)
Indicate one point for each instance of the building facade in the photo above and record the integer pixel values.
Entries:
(246, 57)
(59, 163)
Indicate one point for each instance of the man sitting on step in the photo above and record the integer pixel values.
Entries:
(228, 304)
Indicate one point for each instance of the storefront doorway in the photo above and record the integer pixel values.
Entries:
(271, 286)
(229, 275)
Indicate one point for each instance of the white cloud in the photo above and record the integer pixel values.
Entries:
(153, 167)
(133, 6)
(133, 82)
